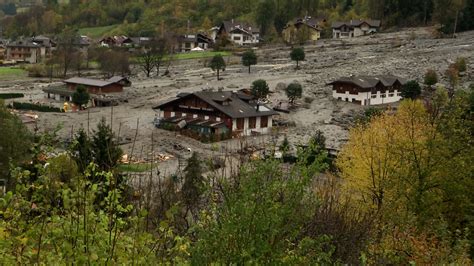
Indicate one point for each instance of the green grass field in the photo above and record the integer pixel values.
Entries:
(198, 55)
(97, 32)
(11, 73)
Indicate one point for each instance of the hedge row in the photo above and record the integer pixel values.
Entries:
(5, 96)
(35, 107)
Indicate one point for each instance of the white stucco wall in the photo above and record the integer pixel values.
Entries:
(366, 98)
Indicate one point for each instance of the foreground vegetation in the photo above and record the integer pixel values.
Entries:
(400, 192)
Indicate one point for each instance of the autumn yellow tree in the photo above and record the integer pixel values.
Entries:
(398, 166)
(388, 160)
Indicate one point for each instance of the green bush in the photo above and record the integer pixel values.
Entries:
(35, 107)
(461, 64)
(431, 78)
(5, 96)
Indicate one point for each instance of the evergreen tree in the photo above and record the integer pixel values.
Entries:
(105, 148)
(82, 150)
(193, 185)
(80, 97)
(260, 89)
(217, 63)
(411, 90)
(15, 142)
(294, 91)
(297, 54)
(249, 58)
(265, 14)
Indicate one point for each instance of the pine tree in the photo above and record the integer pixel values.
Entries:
(249, 58)
(217, 63)
(297, 54)
(193, 185)
(105, 148)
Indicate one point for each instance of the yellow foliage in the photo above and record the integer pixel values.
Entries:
(382, 159)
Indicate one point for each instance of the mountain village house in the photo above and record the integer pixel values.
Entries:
(116, 41)
(303, 29)
(368, 90)
(218, 113)
(354, 28)
(189, 42)
(99, 90)
(30, 50)
(239, 33)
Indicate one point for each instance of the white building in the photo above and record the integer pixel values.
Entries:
(368, 90)
(239, 33)
(354, 28)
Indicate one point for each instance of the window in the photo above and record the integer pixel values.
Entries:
(252, 122)
(374, 96)
(391, 95)
(236, 38)
(399, 94)
(264, 121)
(240, 123)
(383, 95)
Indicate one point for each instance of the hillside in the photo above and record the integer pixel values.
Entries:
(178, 16)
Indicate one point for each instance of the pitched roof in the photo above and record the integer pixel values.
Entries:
(246, 27)
(314, 23)
(116, 79)
(88, 82)
(58, 90)
(236, 107)
(367, 82)
(356, 23)
(24, 43)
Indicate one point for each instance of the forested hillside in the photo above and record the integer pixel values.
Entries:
(157, 16)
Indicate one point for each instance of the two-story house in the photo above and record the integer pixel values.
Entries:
(355, 28)
(239, 33)
(216, 113)
(303, 29)
(188, 42)
(368, 90)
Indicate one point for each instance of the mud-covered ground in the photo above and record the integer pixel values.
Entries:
(408, 53)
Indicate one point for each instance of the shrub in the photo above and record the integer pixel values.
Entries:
(431, 78)
(37, 70)
(461, 64)
(35, 107)
(294, 91)
(5, 96)
(411, 90)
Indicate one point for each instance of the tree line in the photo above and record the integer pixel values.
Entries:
(146, 18)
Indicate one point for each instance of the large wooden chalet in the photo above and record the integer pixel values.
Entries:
(368, 90)
(216, 113)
